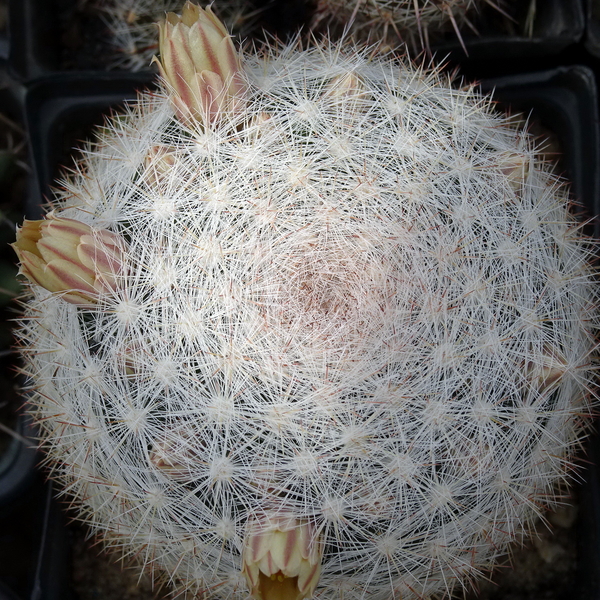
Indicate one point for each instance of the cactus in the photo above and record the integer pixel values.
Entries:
(411, 21)
(348, 340)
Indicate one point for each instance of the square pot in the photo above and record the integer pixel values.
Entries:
(557, 25)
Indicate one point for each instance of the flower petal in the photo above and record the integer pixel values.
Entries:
(27, 237)
(62, 275)
(33, 267)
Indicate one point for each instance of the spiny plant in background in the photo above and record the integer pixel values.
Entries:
(414, 22)
(308, 322)
(131, 25)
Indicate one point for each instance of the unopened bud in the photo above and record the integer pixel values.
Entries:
(70, 257)
(199, 63)
(548, 371)
(158, 164)
(345, 86)
(282, 558)
(515, 167)
(173, 455)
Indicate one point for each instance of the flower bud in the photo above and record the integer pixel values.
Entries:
(173, 455)
(345, 86)
(549, 368)
(158, 163)
(282, 558)
(199, 63)
(65, 255)
(515, 167)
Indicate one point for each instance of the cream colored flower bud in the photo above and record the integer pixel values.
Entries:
(65, 255)
(282, 558)
(159, 162)
(345, 86)
(515, 167)
(173, 455)
(547, 371)
(199, 63)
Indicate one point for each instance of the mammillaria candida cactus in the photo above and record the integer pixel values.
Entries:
(346, 349)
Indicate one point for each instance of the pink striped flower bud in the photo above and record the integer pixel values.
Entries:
(67, 256)
(199, 63)
(282, 558)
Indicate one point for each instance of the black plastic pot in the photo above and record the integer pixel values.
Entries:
(592, 27)
(60, 112)
(18, 461)
(51, 36)
(41, 41)
(558, 24)
(34, 38)
(34, 549)
(565, 101)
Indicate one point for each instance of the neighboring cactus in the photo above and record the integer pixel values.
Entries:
(413, 22)
(349, 336)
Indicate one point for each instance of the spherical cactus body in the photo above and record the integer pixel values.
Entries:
(346, 348)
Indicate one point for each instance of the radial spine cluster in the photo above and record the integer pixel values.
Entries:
(361, 302)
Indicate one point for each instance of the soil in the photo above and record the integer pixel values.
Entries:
(99, 575)
(544, 568)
